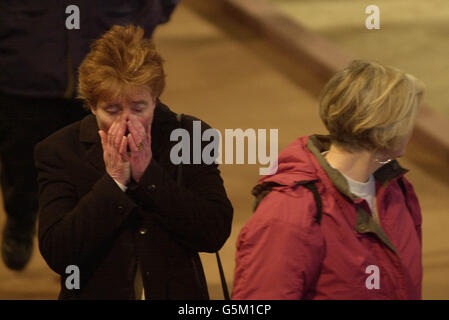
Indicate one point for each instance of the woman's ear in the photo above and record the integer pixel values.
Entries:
(92, 109)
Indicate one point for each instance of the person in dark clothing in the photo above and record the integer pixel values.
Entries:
(112, 202)
(38, 60)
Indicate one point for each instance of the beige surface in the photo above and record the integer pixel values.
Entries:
(231, 79)
(413, 35)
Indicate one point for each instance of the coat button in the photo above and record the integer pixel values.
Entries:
(143, 231)
(151, 187)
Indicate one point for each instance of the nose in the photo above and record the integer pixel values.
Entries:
(125, 115)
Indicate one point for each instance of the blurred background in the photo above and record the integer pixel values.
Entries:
(261, 64)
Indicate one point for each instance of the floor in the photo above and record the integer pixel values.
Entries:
(222, 73)
(413, 36)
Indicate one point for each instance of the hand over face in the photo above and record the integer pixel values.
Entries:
(115, 157)
(139, 142)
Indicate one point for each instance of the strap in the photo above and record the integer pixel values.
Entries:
(260, 191)
(222, 277)
(402, 186)
(319, 205)
(220, 266)
(404, 192)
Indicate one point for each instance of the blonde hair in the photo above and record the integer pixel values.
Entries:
(370, 106)
(121, 59)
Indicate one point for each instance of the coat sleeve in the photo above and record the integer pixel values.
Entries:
(72, 229)
(279, 251)
(198, 213)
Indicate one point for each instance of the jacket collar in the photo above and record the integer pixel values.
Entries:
(364, 222)
(163, 119)
(384, 175)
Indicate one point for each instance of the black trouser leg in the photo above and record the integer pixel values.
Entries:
(18, 181)
(23, 123)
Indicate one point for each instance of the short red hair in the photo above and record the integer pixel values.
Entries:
(121, 59)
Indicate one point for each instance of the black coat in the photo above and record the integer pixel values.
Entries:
(86, 220)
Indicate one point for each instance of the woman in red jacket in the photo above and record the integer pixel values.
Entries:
(338, 219)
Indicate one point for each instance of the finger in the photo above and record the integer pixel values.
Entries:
(137, 130)
(104, 140)
(112, 127)
(132, 143)
(111, 134)
(121, 128)
(123, 147)
(102, 137)
(134, 138)
(131, 127)
(140, 128)
(115, 138)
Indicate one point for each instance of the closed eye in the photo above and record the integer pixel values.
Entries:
(139, 107)
(112, 109)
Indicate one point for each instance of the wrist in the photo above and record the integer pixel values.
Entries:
(121, 186)
(120, 180)
(137, 177)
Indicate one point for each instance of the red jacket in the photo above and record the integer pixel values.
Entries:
(284, 253)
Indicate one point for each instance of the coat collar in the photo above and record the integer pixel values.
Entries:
(384, 175)
(163, 119)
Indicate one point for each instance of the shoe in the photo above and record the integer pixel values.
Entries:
(17, 244)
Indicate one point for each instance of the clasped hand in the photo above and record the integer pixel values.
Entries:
(120, 163)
